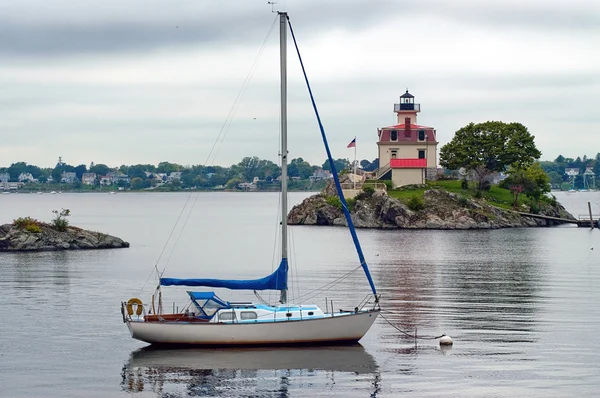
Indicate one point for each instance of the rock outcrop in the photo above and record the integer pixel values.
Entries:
(441, 210)
(48, 238)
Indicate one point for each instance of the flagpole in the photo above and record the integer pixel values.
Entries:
(354, 179)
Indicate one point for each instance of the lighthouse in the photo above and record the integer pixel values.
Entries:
(407, 150)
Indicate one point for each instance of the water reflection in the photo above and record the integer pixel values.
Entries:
(250, 371)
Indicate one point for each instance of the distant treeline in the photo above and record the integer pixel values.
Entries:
(587, 169)
(146, 175)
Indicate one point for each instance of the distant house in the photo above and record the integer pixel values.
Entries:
(68, 177)
(88, 178)
(10, 186)
(4, 177)
(116, 176)
(27, 177)
(105, 180)
(320, 174)
(246, 185)
(175, 175)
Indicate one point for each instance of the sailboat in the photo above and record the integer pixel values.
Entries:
(216, 322)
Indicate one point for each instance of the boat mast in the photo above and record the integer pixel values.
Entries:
(283, 73)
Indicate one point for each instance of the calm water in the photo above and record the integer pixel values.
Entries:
(521, 305)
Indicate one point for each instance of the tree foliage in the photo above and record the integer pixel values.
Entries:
(532, 181)
(489, 147)
(340, 165)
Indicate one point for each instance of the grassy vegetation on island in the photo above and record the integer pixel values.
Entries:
(496, 195)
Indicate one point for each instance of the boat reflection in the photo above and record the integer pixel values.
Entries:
(248, 371)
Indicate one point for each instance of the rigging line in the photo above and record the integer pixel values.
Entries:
(293, 245)
(235, 105)
(314, 292)
(411, 335)
(222, 134)
(361, 256)
(166, 244)
(277, 223)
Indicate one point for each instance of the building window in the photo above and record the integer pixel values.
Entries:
(394, 135)
(245, 315)
(421, 154)
(421, 135)
(394, 153)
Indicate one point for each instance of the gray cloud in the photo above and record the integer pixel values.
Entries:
(59, 28)
(95, 80)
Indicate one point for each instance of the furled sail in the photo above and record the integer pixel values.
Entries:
(276, 281)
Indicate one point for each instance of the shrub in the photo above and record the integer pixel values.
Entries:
(464, 184)
(368, 190)
(334, 201)
(534, 208)
(416, 203)
(28, 223)
(60, 222)
(463, 201)
(33, 228)
(366, 193)
(486, 185)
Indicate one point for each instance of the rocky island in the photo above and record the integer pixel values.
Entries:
(26, 234)
(439, 209)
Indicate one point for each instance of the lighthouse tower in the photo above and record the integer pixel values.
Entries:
(407, 109)
(407, 150)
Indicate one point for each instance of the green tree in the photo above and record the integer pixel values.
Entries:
(168, 168)
(59, 169)
(100, 169)
(489, 147)
(532, 181)
(79, 170)
(555, 178)
(300, 168)
(16, 169)
(340, 165)
(232, 184)
(137, 183)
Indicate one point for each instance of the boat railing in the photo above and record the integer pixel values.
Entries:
(368, 301)
(131, 311)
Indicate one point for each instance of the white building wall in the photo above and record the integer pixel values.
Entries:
(402, 177)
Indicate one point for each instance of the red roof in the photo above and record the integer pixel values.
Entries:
(408, 163)
(412, 126)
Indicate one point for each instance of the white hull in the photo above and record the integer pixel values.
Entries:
(339, 328)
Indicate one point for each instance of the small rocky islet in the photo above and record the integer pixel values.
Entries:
(441, 210)
(45, 237)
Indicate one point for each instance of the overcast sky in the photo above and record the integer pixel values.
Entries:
(145, 81)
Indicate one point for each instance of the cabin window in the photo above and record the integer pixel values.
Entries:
(394, 135)
(245, 315)
(421, 154)
(394, 153)
(311, 313)
(421, 135)
(226, 316)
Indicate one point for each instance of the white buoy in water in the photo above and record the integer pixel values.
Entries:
(445, 340)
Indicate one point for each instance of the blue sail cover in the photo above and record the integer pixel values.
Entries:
(276, 281)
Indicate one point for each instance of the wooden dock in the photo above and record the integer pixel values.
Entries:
(557, 219)
(582, 221)
(589, 220)
(586, 221)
